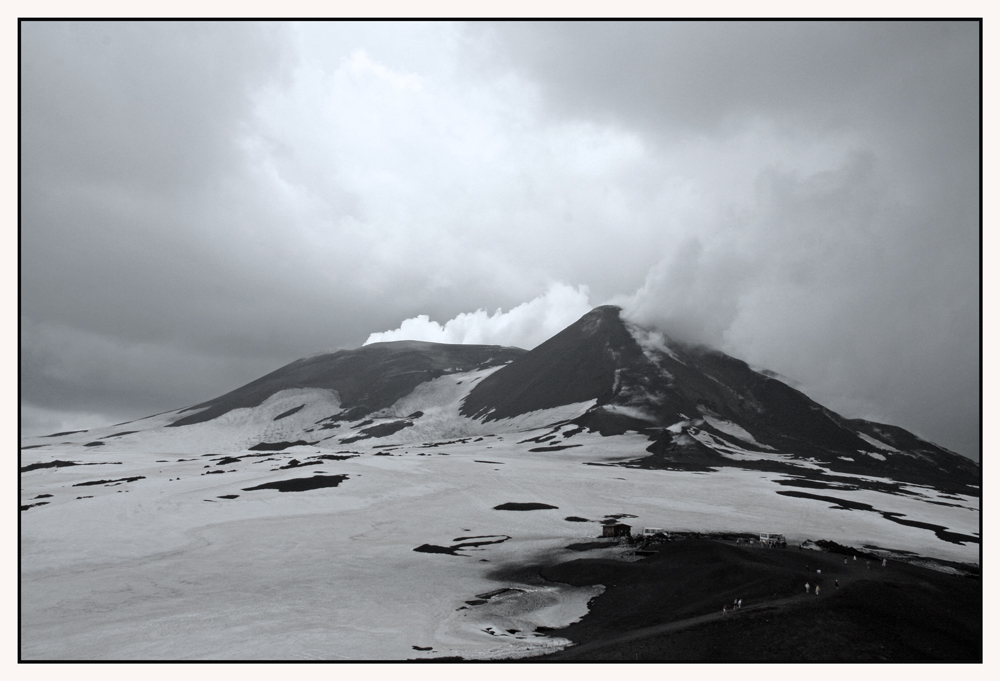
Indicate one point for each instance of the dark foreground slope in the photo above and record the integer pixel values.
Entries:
(368, 378)
(668, 607)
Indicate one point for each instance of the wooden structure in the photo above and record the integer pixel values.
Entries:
(617, 530)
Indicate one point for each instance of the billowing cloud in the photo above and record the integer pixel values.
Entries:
(202, 203)
(524, 326)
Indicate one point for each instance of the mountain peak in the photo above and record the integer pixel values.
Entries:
(598, 318)
(576, 365)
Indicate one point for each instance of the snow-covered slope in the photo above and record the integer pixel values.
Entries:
(140, 555)
(356, 505)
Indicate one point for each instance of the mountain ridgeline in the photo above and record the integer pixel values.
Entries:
(701, 409)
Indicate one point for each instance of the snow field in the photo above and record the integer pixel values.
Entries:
(158, 572)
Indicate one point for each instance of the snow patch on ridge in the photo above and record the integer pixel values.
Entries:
(631, 412)
(234, 431)
(736, 431)
(440, 401)
(735, 453)
(878, 443)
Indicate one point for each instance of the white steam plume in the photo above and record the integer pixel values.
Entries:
(524, 326)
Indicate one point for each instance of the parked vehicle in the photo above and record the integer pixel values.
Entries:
(771, 539)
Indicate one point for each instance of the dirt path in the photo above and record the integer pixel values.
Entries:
(832, 565)
(678, 625)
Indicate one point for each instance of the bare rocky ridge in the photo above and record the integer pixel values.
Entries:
(368, 378)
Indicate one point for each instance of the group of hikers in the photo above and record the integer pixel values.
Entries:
(814, 588)
(836, 582)
(737, 604)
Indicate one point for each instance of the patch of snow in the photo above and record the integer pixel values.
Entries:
(630, 411)
(734, 430)
(873, 455)
(878, 443)
(731, 451)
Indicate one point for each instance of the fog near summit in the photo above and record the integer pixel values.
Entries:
(205, 202)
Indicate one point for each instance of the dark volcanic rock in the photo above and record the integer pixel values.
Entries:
(291, 411)
(301, 484)
(553, 448)
(65, 432)
(434, 548)
(381, 430)
(47, 464)
(518, 506)
(276, 446)
(107, 482)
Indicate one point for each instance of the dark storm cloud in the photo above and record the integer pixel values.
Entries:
(204, 202)
(859, 279)
(700, 77)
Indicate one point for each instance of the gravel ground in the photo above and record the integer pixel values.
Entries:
(669, 607)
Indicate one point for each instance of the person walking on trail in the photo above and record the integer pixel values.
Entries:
(807, 587)
(817, 589)
(739, 604)
(724, 608)
(883, 562)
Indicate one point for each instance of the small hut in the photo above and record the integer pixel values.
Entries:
(617, 530)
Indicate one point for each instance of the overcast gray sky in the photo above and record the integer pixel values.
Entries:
(204, 202)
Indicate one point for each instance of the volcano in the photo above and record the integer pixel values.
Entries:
(419, 457)
(701, 407)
